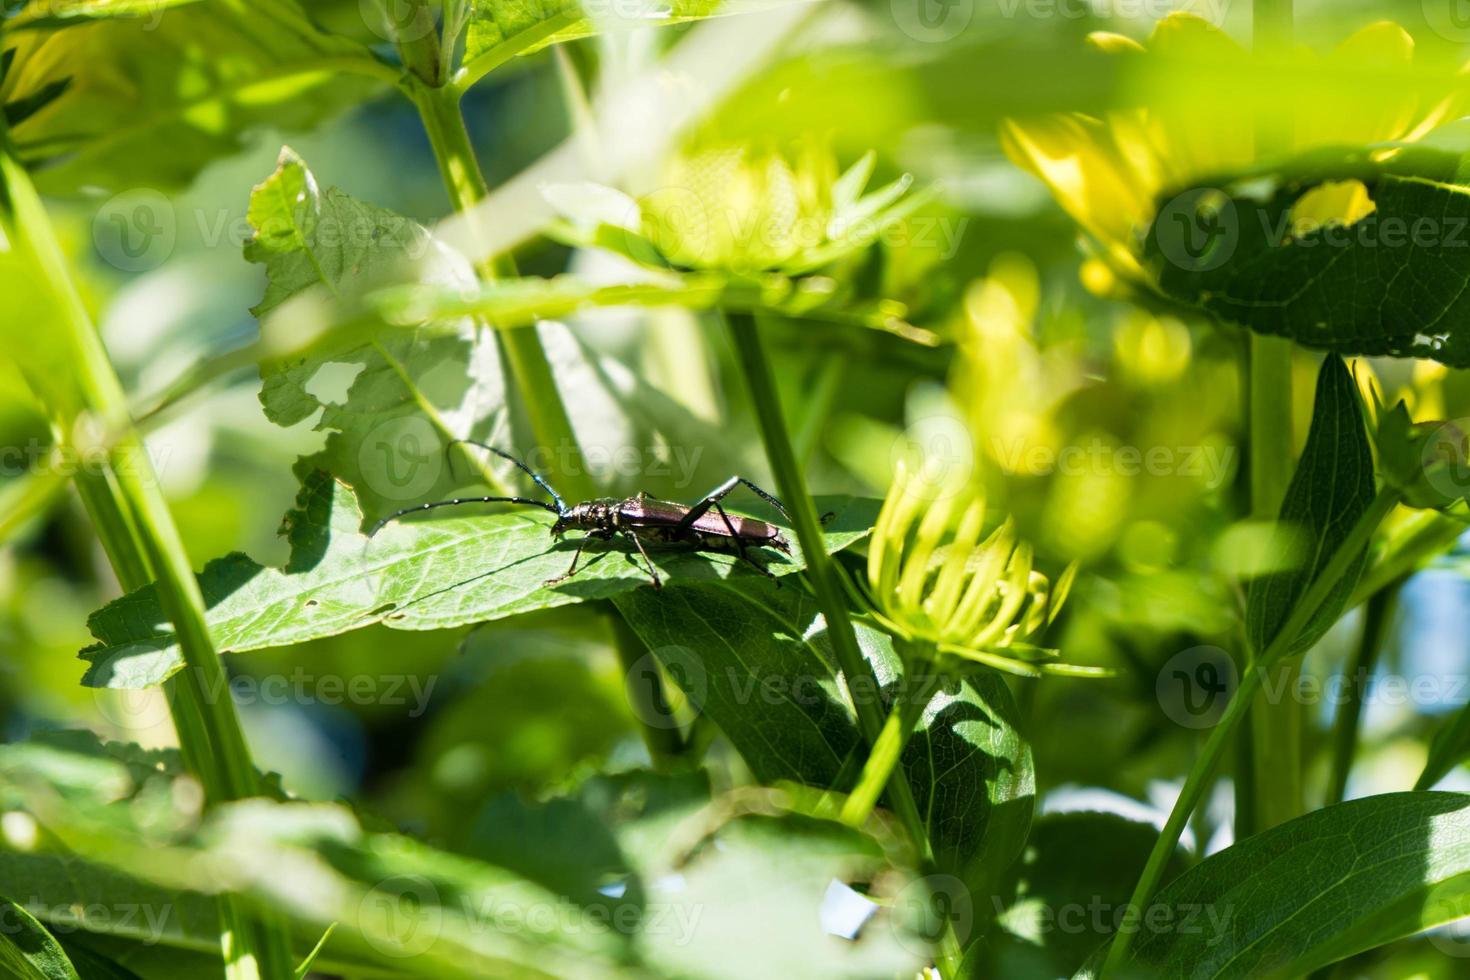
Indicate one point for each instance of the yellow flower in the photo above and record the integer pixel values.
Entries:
(1204, 100)
(932, 579)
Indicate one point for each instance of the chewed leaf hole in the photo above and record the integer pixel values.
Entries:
(331, 382)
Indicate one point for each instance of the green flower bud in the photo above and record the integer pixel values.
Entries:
(933, 578)
(741, 209)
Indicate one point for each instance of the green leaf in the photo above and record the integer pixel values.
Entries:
(430, 574)
(77, 895)
(756, 661)
(762, 882)
(149, 108)
(501, 29)
(1391, 282)
(1449, 747)
(1312, 891)
(1332, 487)
(312, 864)
(764, 876)
(973, 777)
(1063, 896)
(94, 965)
(27, 950)
(744, 658)
(308, 239)
(563, 845)
(63, 13)
(391, 406)
(303, 969)
(519, 302)
(402, 906)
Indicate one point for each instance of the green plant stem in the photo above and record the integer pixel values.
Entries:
(823, 573)
(1418, 538)
(530, 371)
(137, 530)
(1276, 737)
(821, 570)
(529, 368)
(884, 756)
(1245, 783)
(1376, 617)
(418, 44)
(1276, 734)
(1199, 773)
(907, 707)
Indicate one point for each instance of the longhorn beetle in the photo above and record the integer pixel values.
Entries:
(638, 518)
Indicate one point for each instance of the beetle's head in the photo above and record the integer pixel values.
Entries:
(582, 517)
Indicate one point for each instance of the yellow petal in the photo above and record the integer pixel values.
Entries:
(1116, 44)
(980, 589)
(1199, 123)
(1072, 156)
(1339, 202)
(1017, 577)
(1334, 114)
(946, 593)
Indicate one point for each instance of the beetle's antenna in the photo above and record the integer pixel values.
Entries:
(561, 505)
(768, 498)
(462, 500)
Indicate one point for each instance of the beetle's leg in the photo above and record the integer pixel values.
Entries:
(720, 493)
(741, 548)
(575, 558)
(652, 572)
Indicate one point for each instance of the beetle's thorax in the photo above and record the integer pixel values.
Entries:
(594, 515)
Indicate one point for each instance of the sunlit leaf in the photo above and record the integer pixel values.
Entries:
(403, 906)
(155, 97)
(1312, 891)
(1063, 896)
(61, 13)
(28, 951)
(756, 661)
(431, 574)
(501, 29)
(391, 402)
